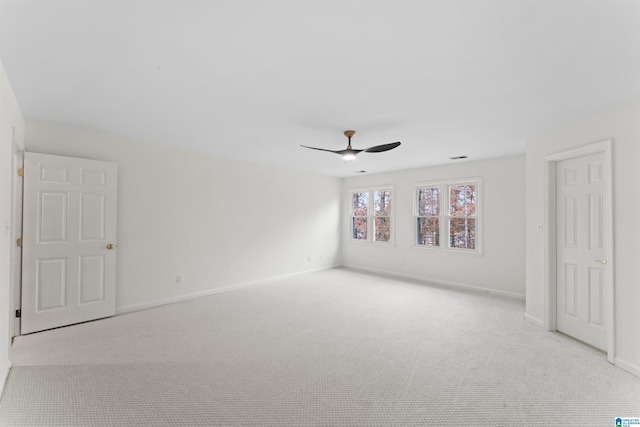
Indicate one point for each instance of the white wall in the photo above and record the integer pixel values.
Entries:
(501, 267)
(11, 136)
(622, 124)
(216, 221)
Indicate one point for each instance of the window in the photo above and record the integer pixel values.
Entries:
(447, 215)
(462, 216)
(429, 216)
(360, 216)
(371, 215)
(382, 215)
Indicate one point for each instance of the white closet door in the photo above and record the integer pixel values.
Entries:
(69, 241)
(581, 255)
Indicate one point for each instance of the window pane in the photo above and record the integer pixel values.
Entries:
(462, 200)
(429, 201)
(382, 202)
(462, 233)
(359, 228)
(429, 231)
(383, 229)
(361, 204)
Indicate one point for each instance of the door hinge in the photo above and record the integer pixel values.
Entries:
(19, 243)
(20, 171)
(18, 313)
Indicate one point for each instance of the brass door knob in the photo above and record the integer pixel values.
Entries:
(110, 246)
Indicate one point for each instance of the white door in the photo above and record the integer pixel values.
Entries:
(581, 257)
(69, 232)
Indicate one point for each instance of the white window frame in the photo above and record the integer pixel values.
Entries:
(445, 217)
(416, 217)
(371, 216)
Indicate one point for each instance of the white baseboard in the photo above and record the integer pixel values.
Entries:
(438, 282)
(179, 298)
(3, 380)
(626, 366)
(534, 320)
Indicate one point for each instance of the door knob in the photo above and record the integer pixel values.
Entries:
(601, 261)
(110, 246)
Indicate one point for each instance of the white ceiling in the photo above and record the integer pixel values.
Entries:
(254, 79)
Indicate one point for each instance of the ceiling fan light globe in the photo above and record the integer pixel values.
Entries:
(348, 157)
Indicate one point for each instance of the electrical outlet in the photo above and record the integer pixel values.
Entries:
(179, 278)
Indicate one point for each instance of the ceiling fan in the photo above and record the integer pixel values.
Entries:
(349, 154)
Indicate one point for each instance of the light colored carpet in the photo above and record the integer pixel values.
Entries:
(330, 348)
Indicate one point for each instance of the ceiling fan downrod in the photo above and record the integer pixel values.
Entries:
(349, 134)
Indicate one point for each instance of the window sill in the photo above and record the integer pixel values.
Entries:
(448, 250)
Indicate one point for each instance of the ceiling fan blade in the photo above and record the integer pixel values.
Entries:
(381, 148)
(323, 149)
(339, 152)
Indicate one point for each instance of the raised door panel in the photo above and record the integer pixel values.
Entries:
(596, 296)
(51, 284)
(53, 213)
(93, 177)
(49, 173)
(570, 235)
(92, 279)
(570, 285)
(595, 212)
(92, 217)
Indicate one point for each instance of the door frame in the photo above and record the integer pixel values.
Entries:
(550, 237)
(16, 226)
